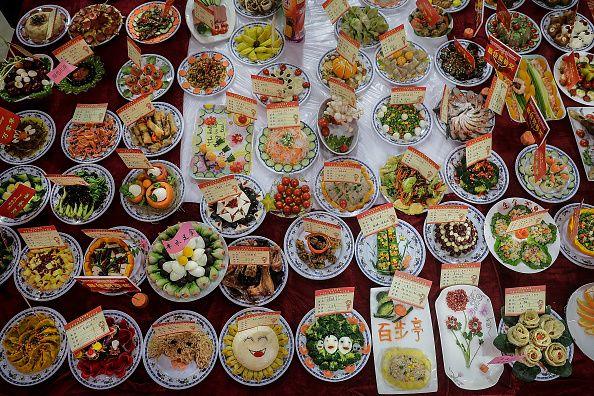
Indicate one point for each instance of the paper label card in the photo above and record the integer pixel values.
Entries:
(479, 15)
(420, 162)
(571, 73)
(181, 238)
(521, 299)
(497, 93)
(248, 321)
(409, 289)
(41, 237)
(89, 113)
(465, 53)
(15, 203)
(342, 171)
(135, 110)
(108, 284)
(334, 301)
(249, 255)
(504, 60)
(503, 14)
(478, 149)
(9, 122)
(393, 40)
(283, 115)
(51, 21)
(342, 90)
(97, 233)
(348, 47)
(60, 72)
(204, 14)
(428, 11)
(335, 9)
(86, 329)
(459, 274)
(66, 180)
(539, 165)
(219, 189)
(243, 105)
(74, 51)
(527, 220)
(444, 104)
(446, 213)
(164, 329)
(575, 218)
(407, 95)
(134, 52)
(314, 226)
(268, 86)
(134, 158)
(377, 219)
(536, 122)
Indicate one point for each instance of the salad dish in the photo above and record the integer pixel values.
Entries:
(528, 250)
(32, 139)
(222, 143)
(192, 272)
(10, 248)
(402, 124)
(152, 194)
(31, 176)
(205, 73)
(34, 346)
(457, 242)
(34, 30)
(580, 319)
(398, 248)
(277, 200)
(97, 23)
(154, 78)
(364, 24)
(467, 329)
(147, 23)
(484, 182)
(180, 360)
(455, 68)
(48, 273)
(542, 340)
(582, 124)
(523, 35)
(556, 4)
(407, 66)
(251, 285)
(79, 204)
(583, 91)
(24, 78)
(110, 360)
(257, 9)
(578, 249)
(404, 186)
(358, 76)
(338, 126)
(335, 347)
(423, 29)
(296, 83)
(568, 31)
(87, 75)
(158, 132)
(224, 21)
(316, 255)
(257, 43)
(237, 215)
(560, 181)
(256, 356)
(288, 150)
(90, 143)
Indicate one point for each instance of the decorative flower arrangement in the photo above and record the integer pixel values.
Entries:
(464, 333)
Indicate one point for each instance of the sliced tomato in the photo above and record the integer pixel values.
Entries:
(144, 81)
(135, 71)
(149, 69)
(146, 89)
(156, 84)
(131, 80)
(135, 89)
(158, 74)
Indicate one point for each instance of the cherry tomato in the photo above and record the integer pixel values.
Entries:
(287, 209)
(288, 191)
(294, 183)
(297, 201)
(305, 196)
(298, 72)
(306, 84)
(289, 200)
(325, 131)
(296, 209)
(584, 143)
(278, 196)
(283, 67)
(280, 188)
(286, 181)
(266, 72)
(297, 192)
(581, 133)
(343, 203)
(279, 205)
(322, 122)
(344, 148)
(242, 119)
(306, 204)
(305, 188)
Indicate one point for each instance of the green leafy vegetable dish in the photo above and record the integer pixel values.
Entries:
(88, 73)
(364, 24)
(479, 178)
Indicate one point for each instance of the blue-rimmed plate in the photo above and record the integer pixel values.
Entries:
(12, 243)
(291, 76)
(492, 4)
(386, 6)
(546, 6)
(21, 33)
(360, 81)
(233, 44)
(244, 12)
(373, 43)
(416, 137)
(36, 177)
(410, 244)
(126, 81)
(471, 82)
(546, 21)
(567, 248)
(48, 123)
(386, 75)
(186, 66)
(491, 25)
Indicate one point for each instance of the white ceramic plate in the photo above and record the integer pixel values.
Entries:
(136, 12)
(11, 240)
(562, 88)
(569, 251)
(302, 97)
(411, 81)
(534, 25)
(545, 22)
(184, 67)
(241, 10)
(548, 7)
(586, 153)
(517, 4)
(374, 43)
(208, 38)
(365, 62)
(47, 144)
(233, 45)
(160, 63)
(386, 137)
(583, 340)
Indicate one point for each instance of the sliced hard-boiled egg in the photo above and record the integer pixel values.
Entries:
(135, 190)
(160, 193)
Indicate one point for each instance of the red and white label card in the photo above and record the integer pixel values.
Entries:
(409, 289)
(249, 255)
(459, 274)
(420, 162)
(575, 218)
(428, 11)
(243, 105)
(19, 198)
(164, 329)
(9, 122)
(267, 86)
(536, 122)
(86, 329)
(571, 73)
(334, 301)
(66, 180)
(283, 115)
(89, 113)
(41, 237)
(74, 51)
(496, 96)
(444, 104)
(134, 158)
(134, 52)
(219, 189)
(527, 220)
(407, 95)
(348, 47)
(96, 233)
(393, 40)
(251, 320)
(342, 90)
(503, 14)
(135, 110)
(377, 219)
(505, 60)
(204, 14)
(521, 299)
(478, 149)
(446, 213)
(181, 238)
(60, 72)
(465, 53)
(342, 171)
(108, 284)
(335, 9)
(479, 15)
(314, 226)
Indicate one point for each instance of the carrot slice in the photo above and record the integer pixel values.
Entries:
(218, 57)
(185, 85)
(191, 60)
(183, 73)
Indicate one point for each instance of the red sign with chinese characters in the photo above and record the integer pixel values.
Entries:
(571, 73)
(19, 198)
(536, 122)
(465, 53)
(505, 60)
(503, 14)
(8, 123)
(428, 11)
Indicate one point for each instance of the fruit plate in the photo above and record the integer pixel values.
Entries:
(548, 193)
(363, 82)
(567, 248)
(545, 22)
(185, 69)
(343, 255)
(583, 139)
(131, 87)
(410, 244)
(15, 377)
(42, 184)
(48, 123)
(411, 81)
(243, 31)
(477, 254)
(20, 28)
(136, 14)
(424, 127)
(584, 340)
(33, 293)
(291, 75)
(12, 243)
(208, 38)
(557, 74)
(161, 369)
(534, 30)
(241, 10)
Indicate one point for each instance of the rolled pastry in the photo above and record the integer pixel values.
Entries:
(518, 335)
(555, 354)
(553, 326)
(529, 319)
(540, 338)
(531, 354)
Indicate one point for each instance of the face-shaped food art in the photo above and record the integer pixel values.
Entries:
(256, 348)
(330, 343)
(345, 345)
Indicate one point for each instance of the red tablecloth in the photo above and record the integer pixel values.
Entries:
(297, 298)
